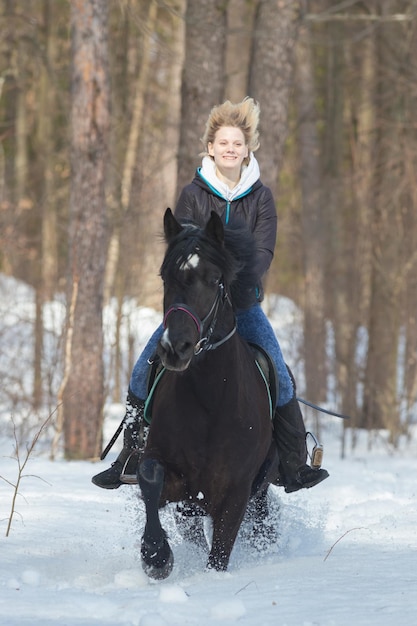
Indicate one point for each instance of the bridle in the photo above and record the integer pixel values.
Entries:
(204, 342)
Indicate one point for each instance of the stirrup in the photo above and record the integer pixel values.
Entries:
(129, 478)
(316, 456)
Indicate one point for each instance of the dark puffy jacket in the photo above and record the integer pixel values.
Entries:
(256, 207)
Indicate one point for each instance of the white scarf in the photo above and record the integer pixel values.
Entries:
(250, 174)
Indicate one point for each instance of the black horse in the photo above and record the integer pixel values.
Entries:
(210, 442)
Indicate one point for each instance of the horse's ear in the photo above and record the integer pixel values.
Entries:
(215, 228)
(171, 226)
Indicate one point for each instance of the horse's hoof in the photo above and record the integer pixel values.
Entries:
(157, 561)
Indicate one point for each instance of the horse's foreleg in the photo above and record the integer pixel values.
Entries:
(157, 558)
(225, 529)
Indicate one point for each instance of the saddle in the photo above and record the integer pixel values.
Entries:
(262, 359)
(269, 372)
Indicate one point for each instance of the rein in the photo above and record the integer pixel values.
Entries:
(204, 342)
(320, 408)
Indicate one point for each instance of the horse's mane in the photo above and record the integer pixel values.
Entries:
(235, 259)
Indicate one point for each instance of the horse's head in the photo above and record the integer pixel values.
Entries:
(194, 288)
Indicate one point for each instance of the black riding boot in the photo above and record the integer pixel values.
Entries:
(123, 470)
(290, 437)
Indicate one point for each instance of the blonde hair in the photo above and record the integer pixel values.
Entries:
(243, 115)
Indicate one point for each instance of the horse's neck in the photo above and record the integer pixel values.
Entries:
(226, 356)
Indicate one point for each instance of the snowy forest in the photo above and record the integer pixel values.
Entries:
(102, 106)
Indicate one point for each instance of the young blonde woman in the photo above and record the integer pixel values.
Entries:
(228, 182)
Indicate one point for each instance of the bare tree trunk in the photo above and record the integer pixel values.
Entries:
(380, 399)
(47, 266)
(363, 151)
(83, 395)
(240, 18)
(270, 81)
(203, 79)
(312, 226)
(47, 156)
(409, 150)
(409, 362)
(9, 98)
(10, 93)
(2, 157)
(21, 156)
(38, 351)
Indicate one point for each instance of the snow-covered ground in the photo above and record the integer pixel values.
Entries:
(346, 552)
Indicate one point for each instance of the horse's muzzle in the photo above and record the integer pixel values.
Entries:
(175, 355)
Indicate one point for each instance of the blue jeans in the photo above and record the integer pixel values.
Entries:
(252, 325)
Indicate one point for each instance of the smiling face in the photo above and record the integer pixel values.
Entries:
(228, 151)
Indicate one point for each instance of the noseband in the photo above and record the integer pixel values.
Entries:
(204, 341)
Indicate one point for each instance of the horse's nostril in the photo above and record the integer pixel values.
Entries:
(184, 348)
